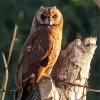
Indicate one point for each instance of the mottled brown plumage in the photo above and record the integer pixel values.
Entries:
(40, 50)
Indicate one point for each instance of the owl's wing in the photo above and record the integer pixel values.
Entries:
(34, 53)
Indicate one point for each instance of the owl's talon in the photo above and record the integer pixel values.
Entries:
(47, 76)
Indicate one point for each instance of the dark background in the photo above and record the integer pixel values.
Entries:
(81, 19)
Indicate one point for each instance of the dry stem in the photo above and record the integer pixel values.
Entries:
(6, 63)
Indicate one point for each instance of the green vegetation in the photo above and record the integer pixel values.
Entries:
(81, 19)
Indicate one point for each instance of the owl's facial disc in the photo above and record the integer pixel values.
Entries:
(49, 20)
(49, 16)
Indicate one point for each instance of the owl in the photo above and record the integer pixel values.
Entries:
(40, 50)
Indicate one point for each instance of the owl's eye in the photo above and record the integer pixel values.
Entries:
(54, 16)
(43, 16)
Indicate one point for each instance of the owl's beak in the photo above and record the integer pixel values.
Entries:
(49, 22)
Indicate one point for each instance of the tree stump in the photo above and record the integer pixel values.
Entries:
(71, 72)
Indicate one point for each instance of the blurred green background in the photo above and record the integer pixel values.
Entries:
(81, 19)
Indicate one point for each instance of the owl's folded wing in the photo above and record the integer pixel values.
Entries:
(34, 54)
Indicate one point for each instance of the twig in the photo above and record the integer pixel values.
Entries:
(8, 90)
(6, 72)
(6, 62)
(12, 44)
(85, 86)
(92, 90)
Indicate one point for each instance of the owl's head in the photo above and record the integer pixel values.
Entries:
(49, 16)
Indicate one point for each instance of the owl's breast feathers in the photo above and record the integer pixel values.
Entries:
(52, 56)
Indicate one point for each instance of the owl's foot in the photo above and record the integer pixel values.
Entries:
(46, 76)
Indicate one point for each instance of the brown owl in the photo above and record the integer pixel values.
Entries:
(40, 50)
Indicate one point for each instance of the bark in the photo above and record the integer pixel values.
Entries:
(70, 73)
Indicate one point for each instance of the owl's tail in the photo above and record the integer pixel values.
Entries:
(35, 94)
(21, 94)
(18, 94)
(24, 93)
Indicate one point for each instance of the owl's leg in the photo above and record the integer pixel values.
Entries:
(44, 72)
(47, 76)
(41, 72)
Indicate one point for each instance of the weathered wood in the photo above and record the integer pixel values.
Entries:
(70, 73)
